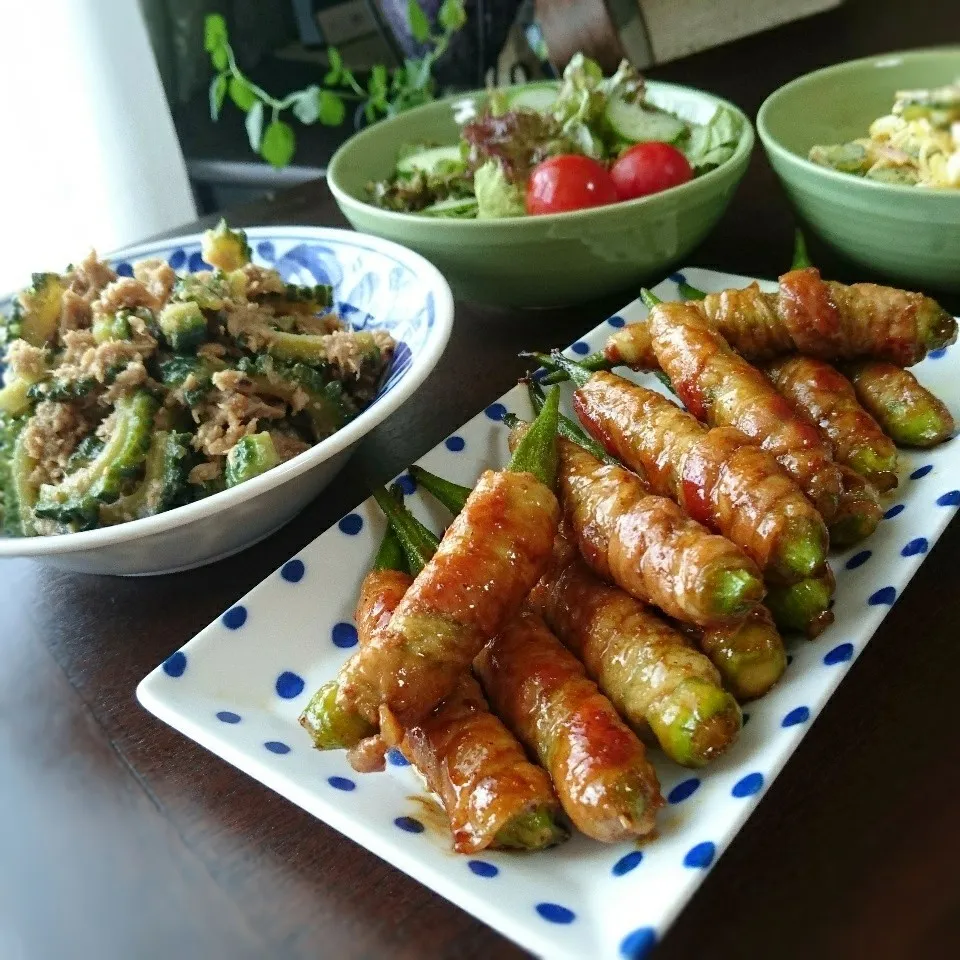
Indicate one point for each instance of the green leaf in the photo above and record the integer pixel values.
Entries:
(419, 24)
(451, 15)
(377, 86)
(332, 109)
(370, 112)
(254, 125)
(306, 108)
(214, 32)
(279, 142)
(220, 59)
(218, 89)
(335, 73)
(241, 94)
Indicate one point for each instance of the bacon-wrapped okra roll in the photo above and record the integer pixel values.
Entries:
(719, 477)
(906, 410)
(804, 606)
(721, 388)
(489, 559)
(648, 546)
(651, 674)
(491, 792)
(599, 767)
(827, 397)
(808, 315)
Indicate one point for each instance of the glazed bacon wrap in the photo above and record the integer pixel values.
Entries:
(721, 388)
(809, 315)
(828, 399)
(599, 768)
(719, 477)
(466, 755)
(647, 545)
(489, 559)
(660, 684)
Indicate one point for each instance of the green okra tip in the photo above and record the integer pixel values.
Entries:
(937, 327)
(534, 829)
(921, 428)
(735, 591)
(802, 607)
(536, 453)
(802, 549)
(331, 725)
(855, 525)
(697, 722)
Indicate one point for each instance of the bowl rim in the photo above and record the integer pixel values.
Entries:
(892, 58)
(422, 365)
(697, 184)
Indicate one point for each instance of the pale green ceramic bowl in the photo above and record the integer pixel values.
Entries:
(910, 234)
(539, 261)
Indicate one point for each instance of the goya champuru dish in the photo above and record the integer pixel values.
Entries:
(125, 396)
(916, 144)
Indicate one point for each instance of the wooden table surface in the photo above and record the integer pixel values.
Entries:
(122, 840)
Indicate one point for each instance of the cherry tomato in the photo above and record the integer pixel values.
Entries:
(569, 182)
(649, 168)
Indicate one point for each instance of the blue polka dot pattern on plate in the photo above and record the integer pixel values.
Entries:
(685, 788)
(616, 321)
(351, 524)
(789, 659)
(235, 617)
(344, 635)
(228, 716)
(177, 258)
(198, 263)
(277, 746)
(838, 654)
(407, 484)
(949, 499)
(894, 511)
(455, 443)
(747, 786)
(678, 278)
(858, 559)
(555, 913)
(581, 348)
(700, 856)
(266, 250)
(636, 945)
(124, 269)
(409, 824)
(342, 783)
(882, 597)
(496, 411)
(289, 685)
(746, 719)
(395, 757)
(175, 664)
(916, 546)
(938, 353)
(482, 869)
(795, 717)
(629, 861)
(921, 471)
(292, 571)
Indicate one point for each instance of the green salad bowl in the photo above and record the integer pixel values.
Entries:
(549, 260)
(911, 234)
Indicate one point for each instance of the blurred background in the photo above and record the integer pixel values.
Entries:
(116, 111)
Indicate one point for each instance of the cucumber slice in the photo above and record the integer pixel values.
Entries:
(538, 98)
(427, 161)
(636, 124)
(453, 207)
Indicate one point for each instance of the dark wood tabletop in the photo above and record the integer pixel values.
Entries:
(122, 840)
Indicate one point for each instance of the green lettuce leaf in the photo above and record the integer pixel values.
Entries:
(497, 197)
(714, 142)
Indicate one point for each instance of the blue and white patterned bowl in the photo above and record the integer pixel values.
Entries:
(376, 283)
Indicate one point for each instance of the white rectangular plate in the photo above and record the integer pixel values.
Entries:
(238, 687)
